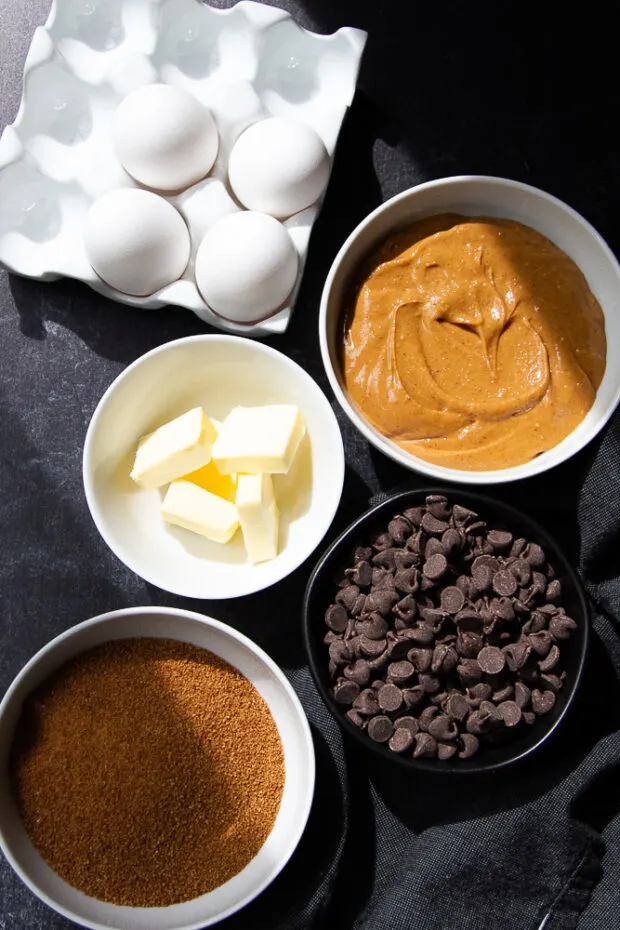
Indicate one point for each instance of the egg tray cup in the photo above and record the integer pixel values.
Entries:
(246, 63)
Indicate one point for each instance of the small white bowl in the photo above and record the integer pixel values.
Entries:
(218, 373)
(479, 196)
(243, 654)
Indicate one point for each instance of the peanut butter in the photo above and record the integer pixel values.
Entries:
(473, 343)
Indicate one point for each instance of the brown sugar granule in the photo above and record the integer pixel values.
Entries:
(147, 771)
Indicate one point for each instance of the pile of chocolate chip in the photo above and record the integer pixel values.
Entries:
(445, 634)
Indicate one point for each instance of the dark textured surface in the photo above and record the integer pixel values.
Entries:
(446, 88)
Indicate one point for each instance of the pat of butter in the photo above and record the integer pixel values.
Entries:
(258, 516)
(173, 450)
(195, 509)
(259, 440)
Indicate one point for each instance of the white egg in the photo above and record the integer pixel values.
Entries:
(246, 266)
(278, 166)
(136, 241)
(164, 137)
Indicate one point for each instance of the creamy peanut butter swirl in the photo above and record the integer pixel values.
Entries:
(473, 343)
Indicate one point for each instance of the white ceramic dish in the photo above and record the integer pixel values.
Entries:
(186, 626)
(218, 373)
(477, 196)
(244, 63)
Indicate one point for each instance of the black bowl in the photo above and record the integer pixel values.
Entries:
(321, 589)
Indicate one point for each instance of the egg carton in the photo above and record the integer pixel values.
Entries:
(245, 64)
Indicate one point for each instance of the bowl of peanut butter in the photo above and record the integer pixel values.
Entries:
(465, 325)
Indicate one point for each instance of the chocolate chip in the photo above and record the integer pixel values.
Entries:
(380, 729)
(517, 654)
(551, 682)
(362, 554)
(401, 740)
(529, 717)
(400, 530)
(355, 717)
(400, 672)
(452, 599)
(469, 745)
(502, 608)
(457, 706)
(421, 634)
(541, 642)
(346, 691)
(372, 647)
(469, 645)
(510, 712)
(433, 617)
(505, 584)
(451, 541)
(500, 539)
(534, 554)
(522, 571)
(433, 526)
(425, 746)
(433, 546)
(469, 620)
(466, 585)
(561, 627)
(385, 558)
(360, 604)
(403, 558)
(347, 596)
(476, 528)
(435, 567)
(366, 703)
(438, 506)
(372, 626)
(469, 672)
(390, 698)
(359, 672)
(542, 701)
(550, 660)
(407, 580)
(381, 601)
(522, 694)
(380, 661)
(478, 693)
(479, 722)
(445, 658)
(339, 652)
(482, 577)
(491, 660)
(414, 515)
(420, 658)
(413, 696)
(445, 751)
(382, 541)
(443, 728)
(361, 574)
(429, 683)
(427, 716)
(554, 592)
(462, 515)
(407, 723)
(504, 693)
(336, 618)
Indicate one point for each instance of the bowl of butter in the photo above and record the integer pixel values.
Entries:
(201, 466)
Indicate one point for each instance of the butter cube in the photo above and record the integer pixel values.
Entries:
(259, 440)
(258, 516)
(173, 450)
(195, 509)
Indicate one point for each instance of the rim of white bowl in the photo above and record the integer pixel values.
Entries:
(304, 726)
(88, 472)
(548, 460)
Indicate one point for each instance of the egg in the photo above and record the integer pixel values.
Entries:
(164, 137)
(246, 266)
(278, 166)
(136, 241)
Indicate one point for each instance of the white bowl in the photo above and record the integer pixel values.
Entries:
(218, 373)
(479, 196)
(185, 626)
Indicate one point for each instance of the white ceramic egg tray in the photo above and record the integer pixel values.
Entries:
(245, 64)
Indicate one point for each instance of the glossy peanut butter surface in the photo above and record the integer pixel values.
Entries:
(473, 343)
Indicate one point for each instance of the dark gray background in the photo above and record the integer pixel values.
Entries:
(445, 88)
